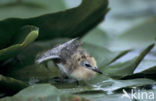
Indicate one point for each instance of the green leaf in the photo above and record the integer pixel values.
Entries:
(10, 85)
(123, 69)
(103, 85)
(119, 96)
(21, 10)
(106, 97)
(147, 73)
(45, 92)
(15, 49)
(113, 84)
(74, 22)
(151, 70)
(20, 66)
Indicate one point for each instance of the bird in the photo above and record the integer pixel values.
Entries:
(72, 60)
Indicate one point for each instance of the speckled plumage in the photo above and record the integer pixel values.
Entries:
(62, 51)
(72, 60)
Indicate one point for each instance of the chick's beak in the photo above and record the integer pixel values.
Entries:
(97, 70)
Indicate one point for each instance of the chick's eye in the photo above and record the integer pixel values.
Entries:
(87, 65)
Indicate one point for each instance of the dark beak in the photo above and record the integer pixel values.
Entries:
(97, 70)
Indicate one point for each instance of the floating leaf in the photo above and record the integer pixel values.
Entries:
(113, 84)
(123, 69)
(70, 23)
(45, 92)
(22, 10)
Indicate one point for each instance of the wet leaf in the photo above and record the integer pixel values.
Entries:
(106, 97)
(110, 85)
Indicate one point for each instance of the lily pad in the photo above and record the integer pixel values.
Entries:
(110, 85)
(22, 9)
(119, 70)
(45, 92)
(70, 23)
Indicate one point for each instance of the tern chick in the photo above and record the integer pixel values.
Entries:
(72, 60)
